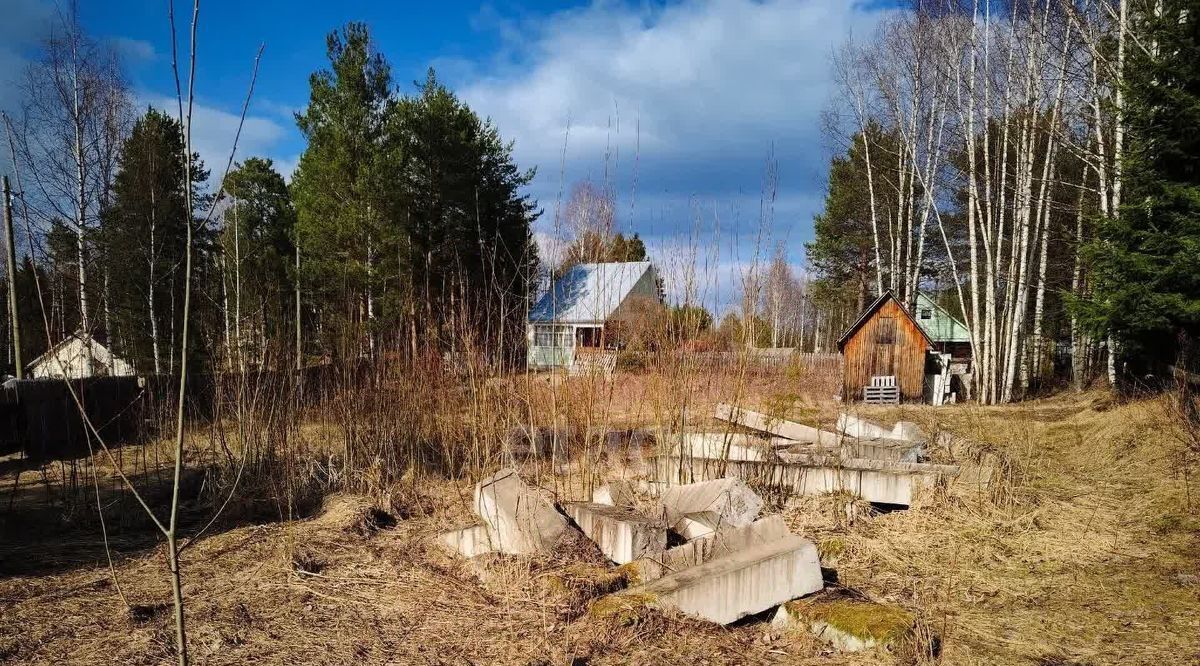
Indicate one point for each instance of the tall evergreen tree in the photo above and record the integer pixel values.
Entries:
(144, 236)
(33, 327)
(470, 239)
(410, 212)
(345, 187)
(1145, 260)
(257, 242)
(843, 247)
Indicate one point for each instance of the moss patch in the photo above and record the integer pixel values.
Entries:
(865, 620)
(1170, 523)
(632, 572)
(831, 548)
(624, 609)
(585, 580)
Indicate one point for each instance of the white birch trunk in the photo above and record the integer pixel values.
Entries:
(237, 291)
(1118, 146)
(150, 290)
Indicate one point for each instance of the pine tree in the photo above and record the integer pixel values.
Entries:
(470, 227)
(843, 247)
(1146, 276)
(258, 249)
(144, 235)
(344, 198)
(410, 210)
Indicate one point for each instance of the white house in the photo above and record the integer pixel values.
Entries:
(76, 357)
(585, 309)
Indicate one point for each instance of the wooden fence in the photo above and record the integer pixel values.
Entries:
(757, 360)
(40, 416)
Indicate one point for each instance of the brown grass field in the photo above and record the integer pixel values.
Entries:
(1072, 537)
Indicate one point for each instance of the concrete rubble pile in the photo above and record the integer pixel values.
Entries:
(622, 534)
(689, 536)
(730, 562)
(517, 520)
(864, 458)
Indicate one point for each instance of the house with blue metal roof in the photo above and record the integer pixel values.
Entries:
(585, 309)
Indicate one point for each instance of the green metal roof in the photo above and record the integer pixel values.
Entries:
(938, 324)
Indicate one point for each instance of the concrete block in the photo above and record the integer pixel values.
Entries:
(697, 525)
(741, 583)
(853, 426)
(623, 535)
(859, 427)
(723, 446)
(468, 541)
(907, 431)
(651, 487)
(727, 502)
(881, 481)
(615, 493)
(520, 520)
(852, 447)
(707, 548)
(775, 426)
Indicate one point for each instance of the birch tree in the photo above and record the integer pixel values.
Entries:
(76, 95)
(984, 118)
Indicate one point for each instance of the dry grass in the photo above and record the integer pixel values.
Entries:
(1083, 550)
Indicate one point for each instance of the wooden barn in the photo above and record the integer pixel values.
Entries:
(884, 342)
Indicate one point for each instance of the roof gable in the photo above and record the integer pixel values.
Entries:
(589, 292)
(97, 348)
(870, 312)
(941, 326)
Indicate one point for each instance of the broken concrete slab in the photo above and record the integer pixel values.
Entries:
(880, 481)
(851, 447)
(776, 426)
(726, 446)
(696, 525)
(707, 548)
(741, 583)
(469, 541)
(622, 534)
(848, 625)
(615, 493)
(855, 426)
(519, 519)
(890, 449)
(729, 502)
(908, 431)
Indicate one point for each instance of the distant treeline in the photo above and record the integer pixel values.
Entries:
(404, 223)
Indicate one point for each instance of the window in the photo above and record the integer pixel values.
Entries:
(551, 336)
(926, 313)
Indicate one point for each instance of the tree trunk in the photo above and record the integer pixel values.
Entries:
(152, 286)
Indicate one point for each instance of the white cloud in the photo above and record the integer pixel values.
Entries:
(22, 25)
(281, 110)
(708, 88)
(286, 166)
(701, 78)
(134, 50)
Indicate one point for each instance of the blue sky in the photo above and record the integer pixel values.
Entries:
(686, 99)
